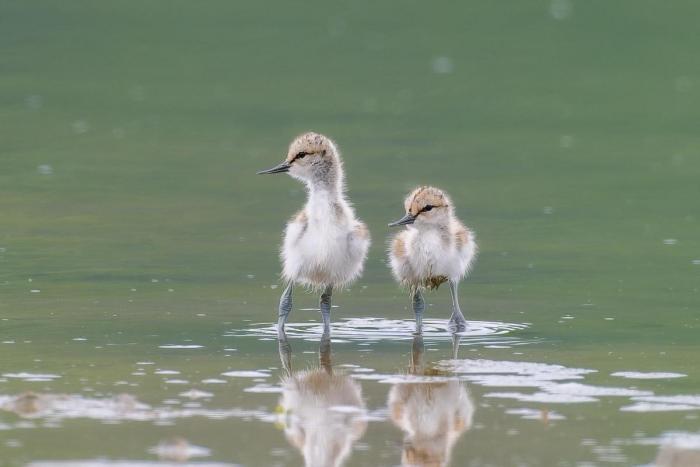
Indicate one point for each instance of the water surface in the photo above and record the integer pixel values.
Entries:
(138, 252)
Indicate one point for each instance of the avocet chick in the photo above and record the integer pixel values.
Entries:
(434, 248)
(324, 245)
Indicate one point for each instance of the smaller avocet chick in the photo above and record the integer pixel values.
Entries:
(434, 248)
(325, 245)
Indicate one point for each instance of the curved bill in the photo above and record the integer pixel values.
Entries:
(405, 220)
(278, 169)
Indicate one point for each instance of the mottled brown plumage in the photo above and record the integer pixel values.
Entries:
(423, 196)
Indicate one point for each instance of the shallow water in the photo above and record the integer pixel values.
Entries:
(138, 252)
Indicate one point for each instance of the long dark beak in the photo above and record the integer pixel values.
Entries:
(405, 220)
(278, 169)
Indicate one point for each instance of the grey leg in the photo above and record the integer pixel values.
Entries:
(457, 320)
(324, 353)
(285, 351)
(418, 309)
(418, 350)
(455, 346)
(285, 307)
(325, 306)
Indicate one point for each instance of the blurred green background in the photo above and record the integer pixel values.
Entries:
(565, 131)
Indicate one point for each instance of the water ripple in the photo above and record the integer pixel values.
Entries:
(376, 329)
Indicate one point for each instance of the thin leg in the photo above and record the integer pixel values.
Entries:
(324, 353)
(418, 309)
(285, 307)
(285, 351)
(457, 320)
(455, 346)
(418, 350)
(325, 306)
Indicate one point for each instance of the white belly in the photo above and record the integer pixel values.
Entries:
(432, 256)
(428, 255)
(322, 253)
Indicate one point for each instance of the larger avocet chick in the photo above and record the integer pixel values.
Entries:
(324, 244)
(434, 248)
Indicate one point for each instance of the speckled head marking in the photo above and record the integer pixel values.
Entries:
(428, 206)
(314, 158)
(308, 144)
(426, 197)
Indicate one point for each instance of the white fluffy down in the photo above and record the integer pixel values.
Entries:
(430, 254)
(328, 247)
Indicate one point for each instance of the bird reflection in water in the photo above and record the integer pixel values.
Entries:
(432, 415)
(323, 412)
(679, 455)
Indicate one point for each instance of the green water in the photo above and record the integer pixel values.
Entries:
(565, 131)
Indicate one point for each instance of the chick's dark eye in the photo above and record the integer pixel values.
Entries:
(428, 207)
(301, 155)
